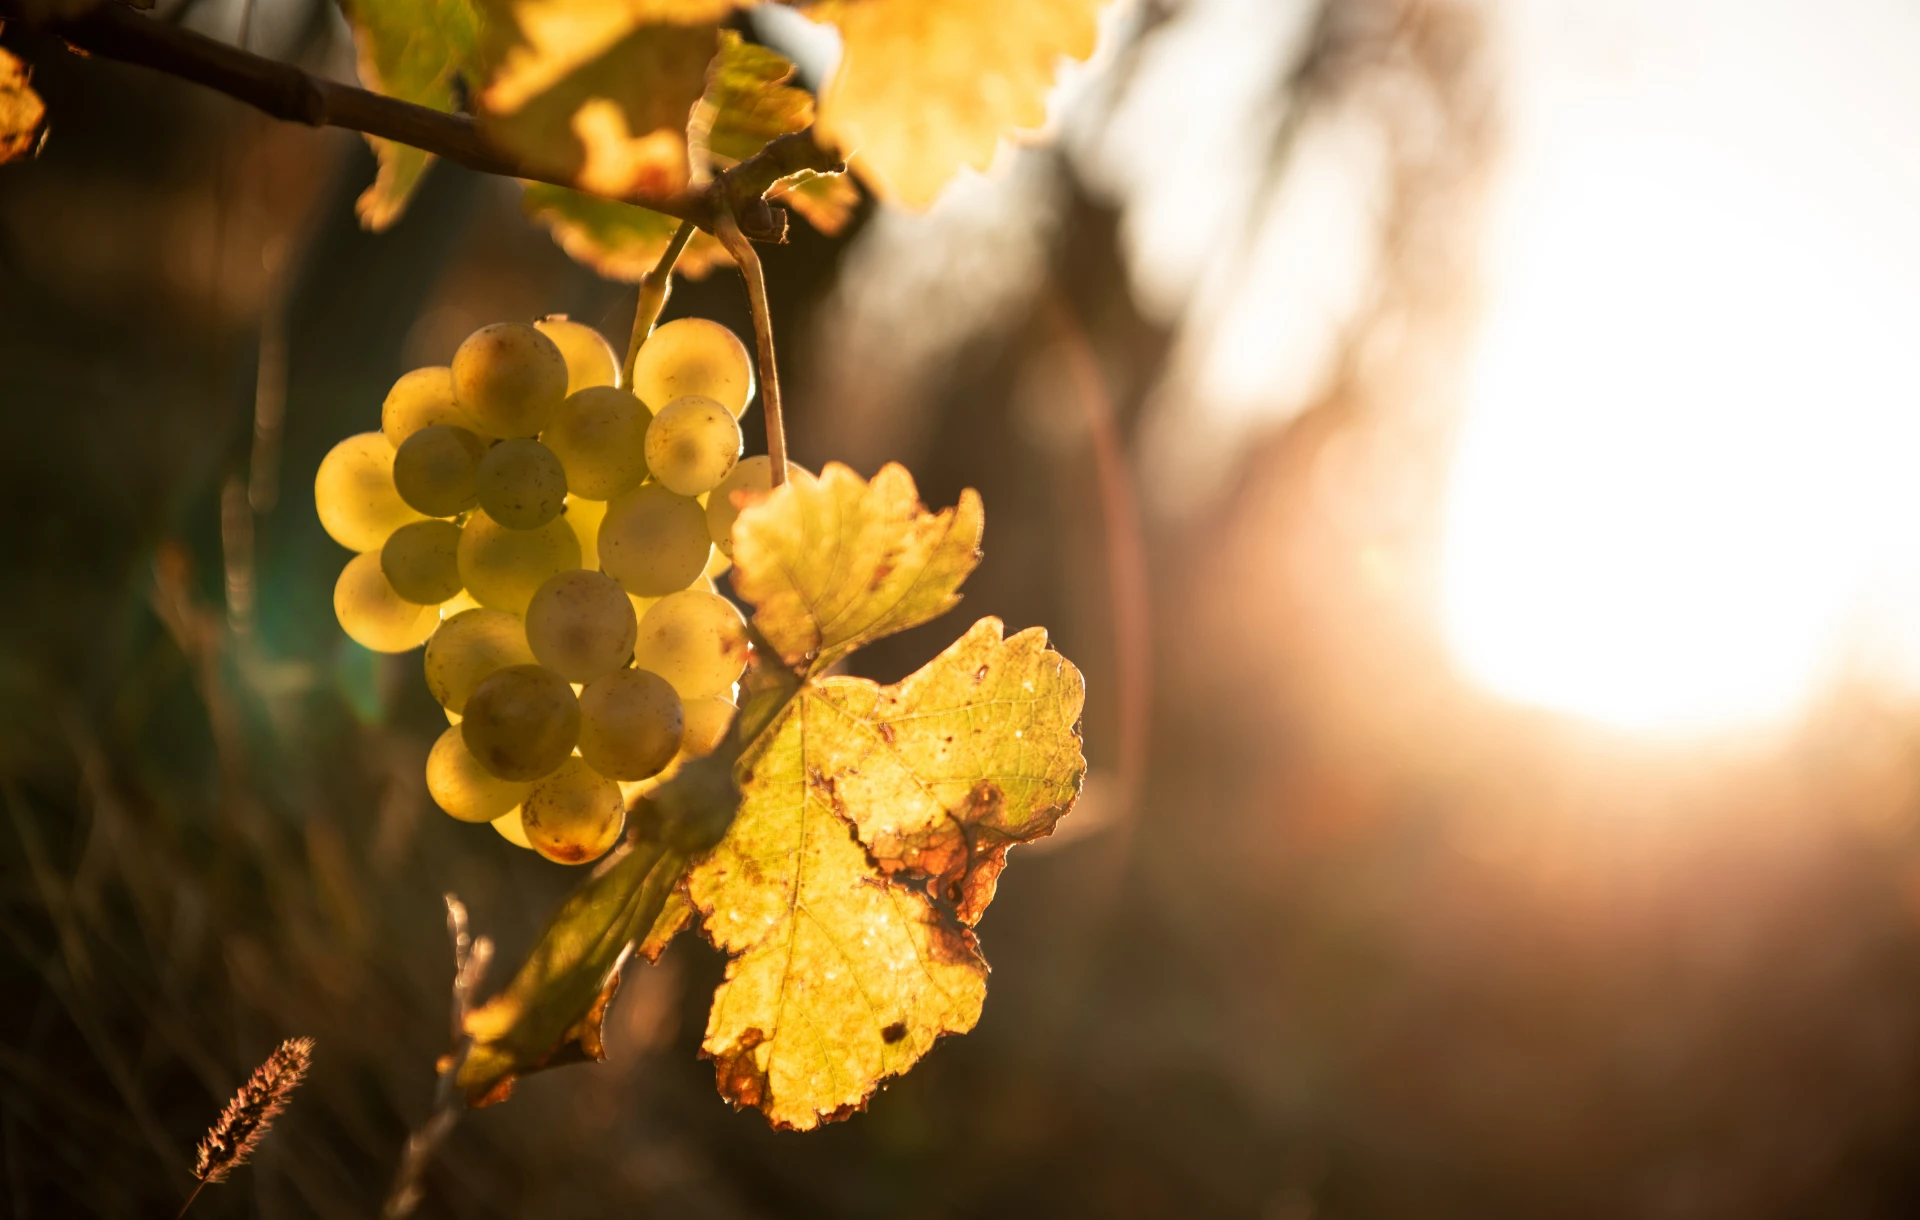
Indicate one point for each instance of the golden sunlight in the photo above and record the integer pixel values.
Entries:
(1686, 492)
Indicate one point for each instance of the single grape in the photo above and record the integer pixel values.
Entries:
(435, 467)
(600, 436)
(753, 476)
(502, 567)
(581, 625)
(419, 561)
(373, 615)
(590, 359)
(509, 379)
(585, 517)
(574, 815)
(508, 824)
(419, 399)
(695, 640)
(707, 721)
(355, 496)
(652, 541)
(465, 789)
(694, 356)
(630, 724)
(521, 484)
(521, 722)
(691, 445)
(470, 646)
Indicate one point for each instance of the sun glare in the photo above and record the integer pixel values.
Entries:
(1689, 474)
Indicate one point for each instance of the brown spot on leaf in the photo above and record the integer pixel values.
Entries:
(886, 732)
(893, 1033)
(980, 675)
(741, 1079)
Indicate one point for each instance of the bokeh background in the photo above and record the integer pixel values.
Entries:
(1466, 447)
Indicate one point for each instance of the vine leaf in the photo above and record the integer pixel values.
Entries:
(618, 240)
(598, 91)
(396, 59)
(845, 562)
(21, 110)
(550, 1013)
(873, 820)
(927, 86)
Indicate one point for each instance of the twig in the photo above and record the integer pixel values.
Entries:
(471, 956)
(289, 94)
(654, 288)
(744, 254)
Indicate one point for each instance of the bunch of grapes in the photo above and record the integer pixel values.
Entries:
(550, 536)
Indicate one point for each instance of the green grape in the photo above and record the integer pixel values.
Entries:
(691, 445)
(630, 724)
(589, 357)
(470, 646)
(600, 436)
(465, 789)
(707, 721)
(574, 815)
(419, 561)
(420, 399)
(508, 824)
(355, 496)
(652, 541)
(373, 615)
(521, 722)
(695, 640)
(509, 379)
(752, 475)
(502, 567)
(694, 356)
(585, 517)
(521, 484)
(435, 467)
(581, 625)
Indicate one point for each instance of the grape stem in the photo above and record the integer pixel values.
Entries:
(654, 288)
(290, 94)
(728, 231)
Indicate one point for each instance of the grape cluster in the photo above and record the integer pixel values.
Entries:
(550, 536)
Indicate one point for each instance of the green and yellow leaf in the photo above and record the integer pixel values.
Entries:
(618, 240)
(599, 91)
(419, 51)
(844, 562)
(927, 86)
(873, 820)
(21, 110)
(550, 1013)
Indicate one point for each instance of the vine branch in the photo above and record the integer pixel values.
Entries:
(292, 95)
(728, 231)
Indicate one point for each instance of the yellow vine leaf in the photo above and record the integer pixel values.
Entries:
(927, 86)
(418, 51)
(21, 110)
(618, 240)
(844, 562)
(598, 91)
(873, 820)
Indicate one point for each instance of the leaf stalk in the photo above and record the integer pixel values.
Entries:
(654, 288)
(728, 231)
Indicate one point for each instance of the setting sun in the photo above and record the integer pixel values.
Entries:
(1682, 495)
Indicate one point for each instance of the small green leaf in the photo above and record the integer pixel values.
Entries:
(747, 103)
(835, 563)
(550, 1013)
(419, 51)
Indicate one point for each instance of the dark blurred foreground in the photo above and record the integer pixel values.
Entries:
(1363, 946)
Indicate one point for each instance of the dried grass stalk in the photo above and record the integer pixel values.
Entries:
(246, 1119)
